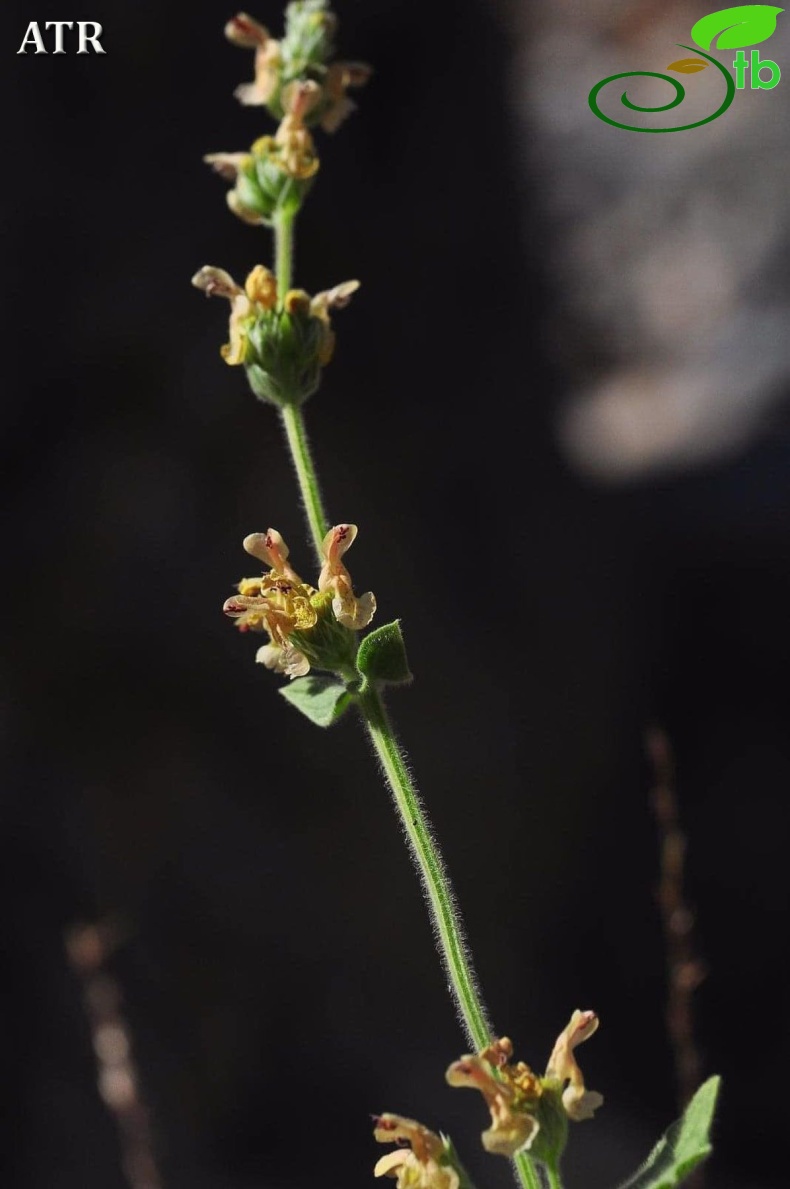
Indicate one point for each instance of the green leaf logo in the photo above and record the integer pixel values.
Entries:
(748, 24)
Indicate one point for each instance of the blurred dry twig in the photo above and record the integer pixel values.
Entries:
(88, 948)
(685, 970)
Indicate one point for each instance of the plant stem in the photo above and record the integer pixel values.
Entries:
(292, 419)
(445, 916)
(553, 1176)
(283, 251)
(295, 432)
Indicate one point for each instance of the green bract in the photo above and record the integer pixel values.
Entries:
(286, 353)
(264, 189)
(328, 645)
(308, 43)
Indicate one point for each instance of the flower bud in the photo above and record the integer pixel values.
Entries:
(308, 44)
(268, 179)
(302, 57)
(283, 364)
(287, 346)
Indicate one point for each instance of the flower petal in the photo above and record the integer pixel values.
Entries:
(243, 30)
(388, 1165)
(578, 1102)
(271, 549)
(215, 282)
(227, 165)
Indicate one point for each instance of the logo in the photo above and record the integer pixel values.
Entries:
(88, 34)
(730, 29)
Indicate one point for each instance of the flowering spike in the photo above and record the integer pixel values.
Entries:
(303, 55)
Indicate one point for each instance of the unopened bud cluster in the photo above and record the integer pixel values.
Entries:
(282, 345)
(277, 172)
(304, 52)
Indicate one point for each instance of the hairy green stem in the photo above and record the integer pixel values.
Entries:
(293, 424)
(553, 1176)
(444, 913)
(292, 419)
(445, 916)
(283, 251)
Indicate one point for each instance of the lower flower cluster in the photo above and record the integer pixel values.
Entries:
(308, 627)
(528, 1112)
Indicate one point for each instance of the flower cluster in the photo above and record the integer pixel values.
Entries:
(528, 1112)
(303, 53)
(277, 172)
(307, 626)
(520, 1102)
(283, 346)
(425, 1164)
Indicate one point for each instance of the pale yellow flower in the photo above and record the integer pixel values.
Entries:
(320, 305)
(339, 77)
(422, 1165)
(352, 612)
(579, 1103)
(297, 154)
(244, 31)
(259, 293)
(511, 1093)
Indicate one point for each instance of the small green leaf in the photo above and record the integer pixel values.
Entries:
(685, 1145)
(382, 656)
(321, 699)
(687, 65)
(451, 1158)
(747, 24)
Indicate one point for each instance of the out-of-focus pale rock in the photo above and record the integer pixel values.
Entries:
(668, 253)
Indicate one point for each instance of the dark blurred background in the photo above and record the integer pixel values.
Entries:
(563, 582)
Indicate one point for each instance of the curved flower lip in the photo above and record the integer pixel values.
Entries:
(579, 1102)
(513, 1126)
(390, 1162)
(215, 282)
(245, 31)
(227, 165)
